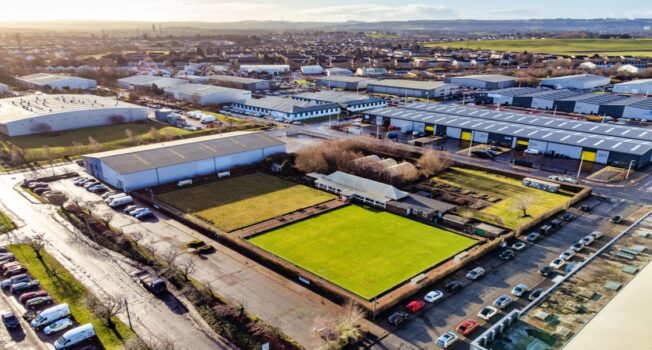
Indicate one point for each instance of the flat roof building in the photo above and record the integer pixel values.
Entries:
(483, 81)
(506, 96)
(55, 82)
(271, 69)
(42, 113)
(312, 70)
(345, 82)
(240, 82)
(617, 108)
(149, 81)
(332, 72)
(579, 82)
(541, 99)
(639, 110)
(413, 88)
(207, 94)
(361, 189)
(286, 108)
(638, 86)
(585, 103)
(140, 167)
(347, 100)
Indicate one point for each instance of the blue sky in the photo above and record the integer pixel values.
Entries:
(316, 10)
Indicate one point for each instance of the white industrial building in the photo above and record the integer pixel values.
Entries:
(286, 108)
(483, 81)
(312, 70)
(271, 69)
(134, 168)
(640, 110)
(36, 114)
(371, 72)
(638, 86)
(55, 82)
(344, 82)
(149, 81)
(331, 72)
(207, 94)
(4, 88)
(413, 88)
(579, 82)
(506, 96)
(348, 101)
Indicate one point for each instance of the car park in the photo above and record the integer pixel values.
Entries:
(587, 240)
(467, 327)
(475, 274)
(546, 271)
(453, 286)
(22, 287)
(577, 247)
(38, 302)
(557, 263)
(10, 320)
(415, 305)
(487, 312)
(506, 255)
(23, 298)
(519, 290)
(58, 326)
(567, 254)
(433, 296)
(596, 234)
(517, 246)
(532, 237)
(445, 340)
(535, 294)
(502, 301)
(397, 318)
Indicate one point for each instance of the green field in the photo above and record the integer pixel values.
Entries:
(244, 200)
(64, 288)
(614, 47)
(511, 191)
(365, 251)
(109, 137)
(6, 224)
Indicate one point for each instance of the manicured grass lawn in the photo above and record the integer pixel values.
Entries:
(613, 47)
(511, 191)
(6, 224)
(244, 200)
(363, 250)
(109, 137)
(64, 288)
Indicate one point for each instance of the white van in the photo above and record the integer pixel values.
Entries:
(50, 315)
(206, 119)
(118, 202)
(110, 199)
(75, 336)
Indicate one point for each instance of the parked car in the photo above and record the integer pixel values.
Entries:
(90, 184)
(447, 339)
(144, 214)
(502, 301)
(50, 315)
(518, 246)
(616, 219)
(397, 318)
(557, 263)
(136, 211)
(41, 190)
(130, 208)
(587, 240)
(475, 274)
(107, 194)
(596, 234)
(568, 217)
(532, 237)
(535, 294)
(555, 223)
(453, 286)
(38, 302)
(10, 320)
(567, 254)
(9, 265)
(81, 181)
(14, 271)
(6, 257)
(506, 255)
(585, 208)
(58, 326)
(577, 247)
(22, 287)
(466, 327)
(75, 336)
(568, 179)
(487, 312)
(433, 296)
(6, 284)
(519, 290)
(532, 151)
(546, 271)
(23, 298)
(415, 305)
(97, 188)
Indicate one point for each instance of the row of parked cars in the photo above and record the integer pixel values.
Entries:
(114, 199)
(28, 292)
(40, 188)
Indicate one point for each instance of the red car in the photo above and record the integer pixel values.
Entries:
(23, 298)
(466, 327)
(416, 305)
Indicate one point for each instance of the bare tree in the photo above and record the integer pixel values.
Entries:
(17, 155)
(433, 162)
(76, 149)
(37, 244)
(155, 134)
(311, 159)
(106, 217)
(170, 256)
(130, 136)
(106, 308)
(137, 236)
(186, 265)
(522, 204)
(94, 145)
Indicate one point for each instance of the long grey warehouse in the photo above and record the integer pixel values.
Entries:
(36, 114)
(413, 88)
(483, 81)
(560, 141)
(145, 166)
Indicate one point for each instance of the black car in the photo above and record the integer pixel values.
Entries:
(453, 286)
(546, 271)
(585, 208)
(616, 219)
(10, 320)
(506, 255)
(568, 217)
(397, 318)
(555, 223)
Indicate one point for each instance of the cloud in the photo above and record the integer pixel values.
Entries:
(375, 12)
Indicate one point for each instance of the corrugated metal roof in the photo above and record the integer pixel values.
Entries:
(491, 78)
(346, 79)
(336, 97)
(596, 99)
(514, 91)
(377, 191)
(552, 94)
(287, 105)
(536, 120)
(411, 84)
(136, 159)
(516, 129)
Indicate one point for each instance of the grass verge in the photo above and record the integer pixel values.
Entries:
(6, 224)
(64, 288)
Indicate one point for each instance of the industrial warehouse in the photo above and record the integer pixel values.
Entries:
(150, 165)
(345, 82)
(483, 81)
(638, 86)
(286, 108)
(47, 113)
(348, 101)
(149, 81)
(240, 82)
(580, 82)
(55, 82)
(207, 94)
(409, 88)
(599, 143)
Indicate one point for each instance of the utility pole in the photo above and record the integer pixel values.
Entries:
(580, 167)
(128, 314)
(629, 169)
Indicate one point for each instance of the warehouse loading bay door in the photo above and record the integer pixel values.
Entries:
(466, 136)
(588, 156)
